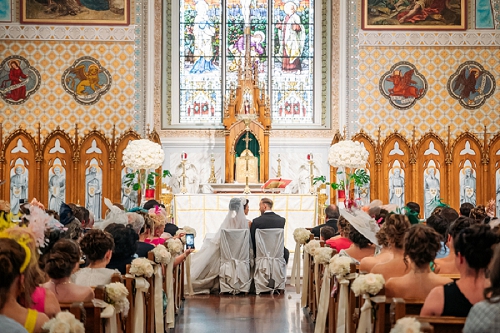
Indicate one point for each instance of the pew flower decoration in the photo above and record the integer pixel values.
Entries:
(312, 246)
(323, 255)
(141, 267)
(117, 296)
(301, 235)
(64, 322)
(185, 230)
(348, 154)
(340, 266)
(368, 284)
(175, 246)
(162, 255)
(143, 154)
(406, 325)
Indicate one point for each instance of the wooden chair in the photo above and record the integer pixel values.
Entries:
(405, 307)
(87, 313)
(444, 324)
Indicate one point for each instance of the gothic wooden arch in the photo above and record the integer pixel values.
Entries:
(20, 151)
(93, 152)
(57, 148)
(466, 151)
(333, 171)
(396, 153)
(120, 145)
(494, 171)
(371, 167)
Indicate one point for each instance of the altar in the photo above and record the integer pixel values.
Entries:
(205, 212)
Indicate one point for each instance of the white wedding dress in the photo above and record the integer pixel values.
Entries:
(205, 263)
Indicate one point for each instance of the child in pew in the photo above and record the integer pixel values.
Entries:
(473, 251)
(421, 244)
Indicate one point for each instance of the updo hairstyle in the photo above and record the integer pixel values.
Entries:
(421, 244)
(438, 223)
(357, 238)
(62, 259)
(458, 225)
(395, 227)
(12, 256)
(96, 243)
(343, 225)
(475, 243)
(478, 214)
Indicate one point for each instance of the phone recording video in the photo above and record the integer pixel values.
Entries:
(189, 241)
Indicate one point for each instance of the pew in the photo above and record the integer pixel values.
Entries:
(87, 313)
(444, 324)
(148, 304)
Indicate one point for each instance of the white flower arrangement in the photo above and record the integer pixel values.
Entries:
(175, 246)
(348, 154)
(312, 246)
(301, 235)
(141, 267)
(323, 255)
(64, 322)
(185, 230)
(162, 255)
(143, 154)
(117, 295)
(406, 325)
(340, 266)
(368, 284)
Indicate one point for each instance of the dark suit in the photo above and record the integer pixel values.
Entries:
(330, 223)
(268, 220)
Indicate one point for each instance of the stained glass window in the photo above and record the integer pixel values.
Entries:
(212, 49)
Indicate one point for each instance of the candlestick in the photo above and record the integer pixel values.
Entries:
(310, 157)
(212, 179)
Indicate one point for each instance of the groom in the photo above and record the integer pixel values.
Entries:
(267, 220)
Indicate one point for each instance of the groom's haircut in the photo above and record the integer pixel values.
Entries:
(268, 202)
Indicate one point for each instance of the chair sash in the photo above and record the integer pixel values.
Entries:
(295, 278)
(109, 314)
(158, 298)
(234, 271)
(323, 302)
(170, 323)
(305, 282)
(316, 281)
(141, 287)
(343, 315)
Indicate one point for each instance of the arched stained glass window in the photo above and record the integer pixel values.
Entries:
(210, 48)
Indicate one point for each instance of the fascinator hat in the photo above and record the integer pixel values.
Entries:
(114, 215)
(362, 222)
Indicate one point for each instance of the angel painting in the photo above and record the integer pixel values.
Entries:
(403, 85)
(86, 80)
(471, 84)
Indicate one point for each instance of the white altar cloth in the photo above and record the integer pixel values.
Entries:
(205, 212)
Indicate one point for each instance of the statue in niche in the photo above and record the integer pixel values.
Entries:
(93, 190)
(432, 189)
(129, 196)
(396, 187)
(57, 187)
(468, 186)
(18, 187)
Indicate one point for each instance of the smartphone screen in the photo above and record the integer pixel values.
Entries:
(189, 241)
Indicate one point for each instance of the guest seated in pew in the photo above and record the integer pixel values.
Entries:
(332, 216)
(125, 239)
(421, 244)
(340, 242)
(483, 317)
(15, 258)
(395, 228)
(97, 245)
(362, 231)
(447, 265)
(61, 262)
(326, 233)
(142, 225)
(385, 254)
(441, 225)
(473, 251)
(159, 217)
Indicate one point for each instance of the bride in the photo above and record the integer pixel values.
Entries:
(205, 263)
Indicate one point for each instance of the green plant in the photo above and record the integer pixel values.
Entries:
(338, 186)
(358, 177)
(149, 181)
(321, 179)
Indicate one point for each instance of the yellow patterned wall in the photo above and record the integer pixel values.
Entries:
(437, 109)
(52, 106)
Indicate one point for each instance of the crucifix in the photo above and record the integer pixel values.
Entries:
(247, 140)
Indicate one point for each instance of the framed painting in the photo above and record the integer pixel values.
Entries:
(414, 15)
(72, 12)
(5, 10)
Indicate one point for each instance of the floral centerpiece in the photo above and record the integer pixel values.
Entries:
(406, 325)
(368, 284)
(340, 266)
(64, 322)
(117, 295)
(140, 156)
(312, 246)
(162, 255)
(347, 156)
(301, 235)
(141, 267)
(175, 246)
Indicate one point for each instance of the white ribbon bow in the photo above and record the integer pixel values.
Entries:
(188, 276)
(295, 278)
(343, 317)
(158, 298)
(141, 286)
(170, 323)
(365, 318)
(305, 282)
(108, 313)
(323, 302)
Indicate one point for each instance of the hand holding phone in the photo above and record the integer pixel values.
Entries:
(189, 241)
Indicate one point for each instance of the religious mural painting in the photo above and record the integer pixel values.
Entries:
(86, 80)
(57, 185)
(471, 85)
(129, 197)
(19, 174)
(18, 80)
(432, 180)
(468, 184)
(93, 188)
(403, 85)
(281, 52)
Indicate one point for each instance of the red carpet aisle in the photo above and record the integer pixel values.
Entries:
(252, 313)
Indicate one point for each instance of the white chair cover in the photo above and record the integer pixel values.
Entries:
(234, 274)
(269, 260)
